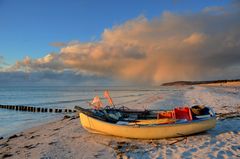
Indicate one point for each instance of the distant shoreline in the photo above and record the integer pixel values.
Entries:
(214, 82)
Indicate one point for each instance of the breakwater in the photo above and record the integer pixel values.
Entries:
(37, 109)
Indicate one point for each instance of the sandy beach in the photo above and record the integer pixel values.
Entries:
(175, 65)
(66, 138)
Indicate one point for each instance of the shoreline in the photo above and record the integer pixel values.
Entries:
(204, 83)
(32, 123)
(226, 84)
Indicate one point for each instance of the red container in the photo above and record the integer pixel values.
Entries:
(183, 113)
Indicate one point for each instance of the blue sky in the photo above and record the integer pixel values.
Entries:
(27, 27)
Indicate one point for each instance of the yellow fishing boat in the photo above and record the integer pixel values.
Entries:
(147, 124)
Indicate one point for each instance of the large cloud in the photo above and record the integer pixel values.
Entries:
(189, 46)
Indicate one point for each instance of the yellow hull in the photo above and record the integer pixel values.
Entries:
(146, 131)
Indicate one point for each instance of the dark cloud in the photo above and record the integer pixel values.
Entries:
(51, 78)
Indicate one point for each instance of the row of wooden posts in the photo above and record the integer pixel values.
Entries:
(36, 109)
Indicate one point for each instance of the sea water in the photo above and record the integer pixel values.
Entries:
(12, 121)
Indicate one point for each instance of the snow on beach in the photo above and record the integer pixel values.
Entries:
(67, 139)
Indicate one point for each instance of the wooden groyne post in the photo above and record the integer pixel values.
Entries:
(36, 109)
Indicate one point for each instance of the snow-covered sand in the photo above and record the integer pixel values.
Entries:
(67, 139)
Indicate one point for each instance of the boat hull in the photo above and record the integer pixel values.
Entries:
(146, 131)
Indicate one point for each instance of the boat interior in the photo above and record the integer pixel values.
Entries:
(124, 115)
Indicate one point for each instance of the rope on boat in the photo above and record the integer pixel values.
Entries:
(36, 109)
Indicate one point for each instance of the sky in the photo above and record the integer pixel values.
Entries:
(89, 42)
